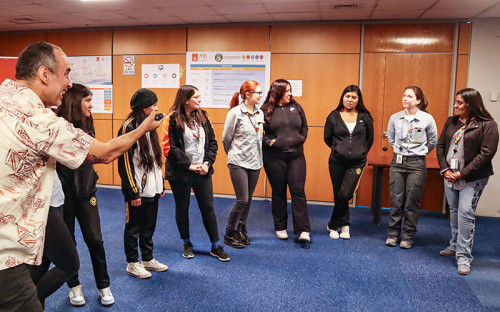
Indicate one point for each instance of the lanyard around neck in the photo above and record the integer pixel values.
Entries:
(197, 133)
(254, 124)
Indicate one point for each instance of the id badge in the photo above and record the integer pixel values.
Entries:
(454, 164)
(399, 159)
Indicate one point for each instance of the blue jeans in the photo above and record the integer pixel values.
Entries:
(462, 218)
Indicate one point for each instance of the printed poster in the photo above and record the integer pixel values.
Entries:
(218, 75)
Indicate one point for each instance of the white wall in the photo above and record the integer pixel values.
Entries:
(484, 76)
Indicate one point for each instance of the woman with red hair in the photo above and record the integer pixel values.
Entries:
(242, 140)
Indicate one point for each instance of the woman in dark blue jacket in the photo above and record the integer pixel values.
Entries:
(349, 134)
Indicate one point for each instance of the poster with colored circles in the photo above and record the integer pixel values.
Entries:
(160, 76)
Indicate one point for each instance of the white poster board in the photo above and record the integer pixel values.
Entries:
(218, 75)
(161, 76)
(95, 72)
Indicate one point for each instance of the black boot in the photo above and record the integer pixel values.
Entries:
(232, 239)
(242, 232)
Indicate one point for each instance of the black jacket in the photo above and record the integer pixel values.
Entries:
(131, 189)
(345, 146)
(79, 183)
(289, 127)
(480, 145)
(177, 163)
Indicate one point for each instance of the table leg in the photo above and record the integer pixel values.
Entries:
(376, 207)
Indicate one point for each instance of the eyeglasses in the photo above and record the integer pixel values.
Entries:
(259, 92)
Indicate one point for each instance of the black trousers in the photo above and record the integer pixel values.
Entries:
(345, 180)
(244, 182)
(87, 214)
(60, 250)
(203, 191)
(17, 290)
(282, 171)
(140, 226)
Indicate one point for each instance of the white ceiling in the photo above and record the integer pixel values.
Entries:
(19, 15)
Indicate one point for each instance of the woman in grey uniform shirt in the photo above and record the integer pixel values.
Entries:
(242, 140)
(412, 134)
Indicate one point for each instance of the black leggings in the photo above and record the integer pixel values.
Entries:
(60, 250)
(345, 180)
(87, 213)
(283, 170)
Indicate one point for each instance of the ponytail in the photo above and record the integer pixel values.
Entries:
(235, 101)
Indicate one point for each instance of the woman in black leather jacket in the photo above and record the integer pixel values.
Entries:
(465, 149)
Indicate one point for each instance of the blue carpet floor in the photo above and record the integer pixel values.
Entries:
(360, 274)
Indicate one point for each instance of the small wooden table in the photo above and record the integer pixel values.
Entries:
(379, 163)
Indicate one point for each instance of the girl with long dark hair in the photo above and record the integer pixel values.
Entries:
(242, 140)
(412, 133)
(142, 187)
(349, 134)
(79, 186)
(465, 149)
(285, 131)
(190, 148)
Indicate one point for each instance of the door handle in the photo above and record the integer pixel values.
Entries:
(386, 134)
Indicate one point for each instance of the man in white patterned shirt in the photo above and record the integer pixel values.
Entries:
(33, 139)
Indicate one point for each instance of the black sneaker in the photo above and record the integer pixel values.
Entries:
(188, 251)
(232, 239)
(220, 254)
(242, 232)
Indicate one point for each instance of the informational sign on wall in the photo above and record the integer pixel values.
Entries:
(129, 65)
(161, 76)
(95, 72)
(218, 75)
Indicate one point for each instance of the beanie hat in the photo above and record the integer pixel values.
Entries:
(143, 98)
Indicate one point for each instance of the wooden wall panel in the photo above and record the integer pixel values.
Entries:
(324, 77)
(462, 72)
(104, 132)
(236, 38)
(431, 72)
(124, 86)
(14, 44)
(149, 41)
(82, 43)
(318, 183)
(374, 81)
(409, 38)
(464, 38)
(340, 38)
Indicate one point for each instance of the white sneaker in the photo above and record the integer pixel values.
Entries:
(304, 236)
(137, 270)
(282, 234)
(106, 296)
(333, 233)
(76, 296)
(344, 233)
(154, 265)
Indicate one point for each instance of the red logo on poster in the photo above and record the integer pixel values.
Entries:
(195, 57)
